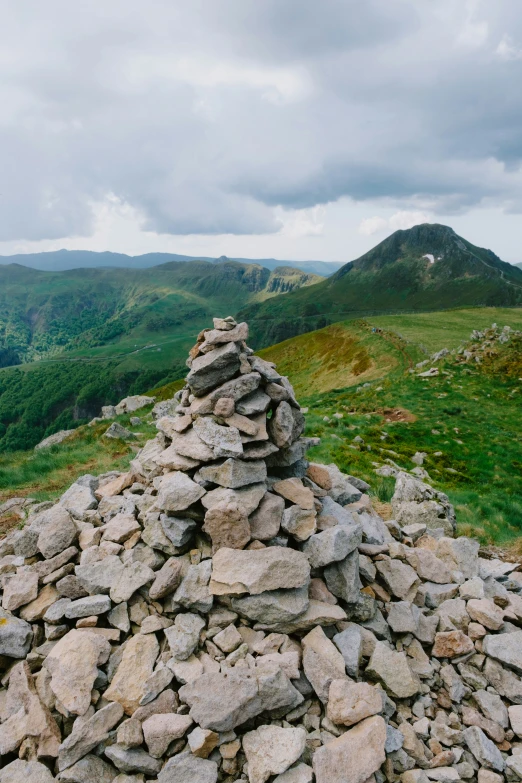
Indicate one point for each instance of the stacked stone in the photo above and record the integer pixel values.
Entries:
(228, 611)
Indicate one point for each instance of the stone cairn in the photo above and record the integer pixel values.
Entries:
(228, 611)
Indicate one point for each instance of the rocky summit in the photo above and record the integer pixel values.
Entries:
(229, 611)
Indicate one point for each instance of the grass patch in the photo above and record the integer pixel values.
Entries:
(46, 474)
(468, 423)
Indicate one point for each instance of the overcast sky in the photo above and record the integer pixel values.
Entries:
(288, 128)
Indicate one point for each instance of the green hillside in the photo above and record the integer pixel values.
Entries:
(428, 267)
(113, 312)
(353, 352)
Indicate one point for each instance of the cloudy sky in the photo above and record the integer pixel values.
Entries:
(288, 128)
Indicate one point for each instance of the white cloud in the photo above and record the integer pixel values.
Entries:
(302, 222)
(278, 84)
(400, 220)
(241, 118)
(506, 50)
(474, 32)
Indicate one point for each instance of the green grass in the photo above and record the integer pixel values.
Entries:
(350, 353)
(447, 329)
(45, 475)
(340, 355)
(467, 422)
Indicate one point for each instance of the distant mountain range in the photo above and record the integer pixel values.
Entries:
(62, 260)
(427, 267)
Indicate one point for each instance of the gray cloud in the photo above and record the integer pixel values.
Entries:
(204, 116)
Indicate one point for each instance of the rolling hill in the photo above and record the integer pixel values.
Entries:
(427, 267)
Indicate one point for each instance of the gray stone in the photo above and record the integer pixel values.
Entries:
(166, 580)
(503, 680)
(253, 403)
(19, 589)
(187, 444)
(194, 592)
(299, 523)
(89, 769)
(53, 440)
(59, 532)
(183, 636)
(79, 498)
(332, 545)
(484, 750)
(25, 772)
(222, 701)
(265, 369)
(160, 730)
(133, 670)
(100, 576)
(373, 527)
(56, 612)
(281, 424)
(73, 664)
(416, 502)
(401, 618)
(225, 441)
(492, 706)
(213, 369)
(234, 473)
(226, 332)
(117, 432)
(270, 750)
(273, 606)
(231, 390)
(86, 734)
(186, 768)
(354, 756)
(266, 519)
(342, 578)
(69, 587)
(322, 662)
(133, 403)
(434, 595)
(178, 531)
(318, 613)
(506, 648)
(176, 492)
(86, 607)
(460, 554)
(393, 670)
(394, 739)
(160, 679)
(248, 571)
(133, 760)
(299, 773)
(349, 644)
(248, 497)
(118, 617)
(333, 514)
(132, 577)
(400, 579)
(453, 683)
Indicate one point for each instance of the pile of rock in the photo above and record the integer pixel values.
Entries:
(228, 611)
(485, 343)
